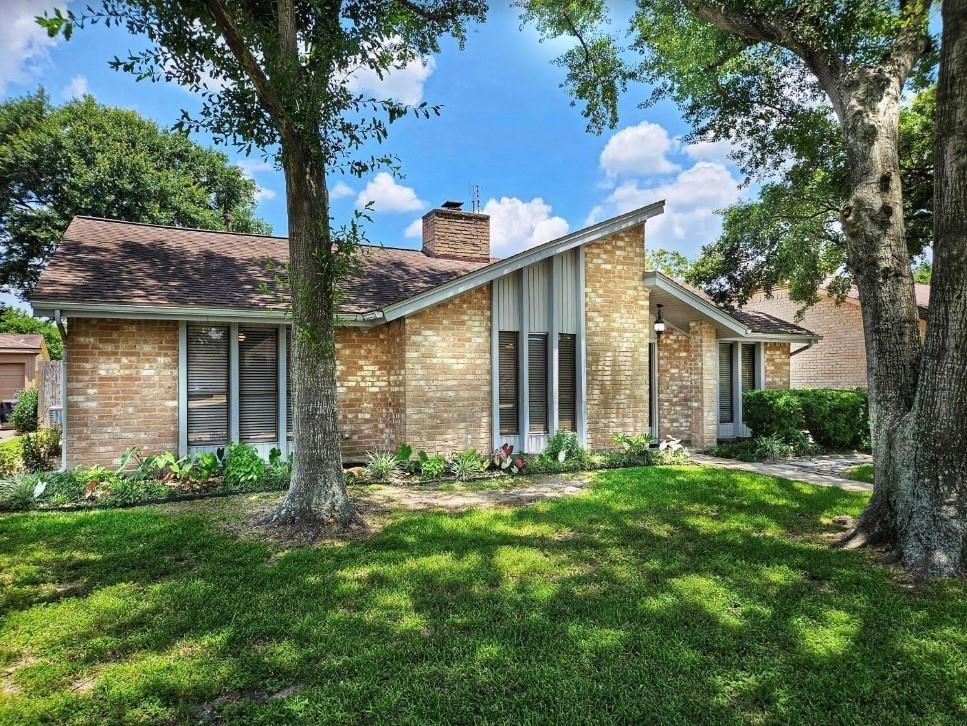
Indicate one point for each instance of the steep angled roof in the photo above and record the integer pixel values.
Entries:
(106, 261)
(21, 341)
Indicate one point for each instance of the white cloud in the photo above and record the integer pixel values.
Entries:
(76, 88)
(414, 229)
(692, 199)
(388, 196)
(516, 225)
(403, 84)
(341, 189)
(250, 167)
(263, 193)
(709, 151)
(24, 45)
(640, 150)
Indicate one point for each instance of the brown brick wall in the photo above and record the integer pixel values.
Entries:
(777, 365)
(456, 234)
(370, 391)
(122, 388)
(616, 311)
(675, 385)
(705, 418)
(836, 361)
(447, 375)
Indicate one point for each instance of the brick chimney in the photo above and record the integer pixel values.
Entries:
(451, 233)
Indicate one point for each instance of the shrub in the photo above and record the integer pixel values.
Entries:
(772, 448)
(124, 490)
(24, 415)
(633, 444)
(64, 487)
(382, 466)
(466, 465)
(744, 450)
(563, 446)
(244, 467)
(20, 492)
(835, 418)
(39, 451)
(10, 461)
(432, 467)
(278, 474)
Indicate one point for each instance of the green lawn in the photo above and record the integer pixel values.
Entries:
(862, 472)
(667, 595)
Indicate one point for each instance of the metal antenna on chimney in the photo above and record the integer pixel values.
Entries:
(475, 197)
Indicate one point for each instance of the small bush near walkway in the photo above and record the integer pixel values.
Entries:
(24, 414)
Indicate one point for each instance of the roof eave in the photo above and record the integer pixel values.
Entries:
(659, 281)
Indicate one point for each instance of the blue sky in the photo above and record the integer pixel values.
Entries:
(506, 126)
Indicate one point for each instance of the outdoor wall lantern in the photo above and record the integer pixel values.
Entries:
(659, 321)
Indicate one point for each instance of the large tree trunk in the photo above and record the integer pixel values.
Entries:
(877, 257)
(933, 524)
(317, 492)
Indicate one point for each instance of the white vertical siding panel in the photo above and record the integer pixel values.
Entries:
(538, 298)
(567, 302)
(508, 302)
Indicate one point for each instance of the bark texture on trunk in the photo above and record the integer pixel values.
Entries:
(877, 257)
(317, 492)
(933, 522)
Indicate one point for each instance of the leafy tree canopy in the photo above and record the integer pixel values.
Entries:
(791, 234)
(86, 158)
(766, 99)
(15, 320)
(671, 262)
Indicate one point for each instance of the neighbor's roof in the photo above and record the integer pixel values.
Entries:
(18, 341)
(921, 291)
(106, 261)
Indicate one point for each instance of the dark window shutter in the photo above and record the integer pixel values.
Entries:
(567, 382)
(748, 367)
(258, 384)
(289, 383)
(207, 368)
(507, 373)
(725, 383)
(537, 382)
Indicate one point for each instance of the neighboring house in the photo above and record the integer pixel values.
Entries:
(176, 344)
(839, 360)
(20, 357)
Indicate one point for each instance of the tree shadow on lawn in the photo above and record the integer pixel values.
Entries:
(662, 594)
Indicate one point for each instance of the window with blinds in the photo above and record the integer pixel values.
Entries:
(725, 383)
(289, 383)
(508, 375)
(207, 369)
(258, 384)
(567, 382)
(537, 383)
(748, 367)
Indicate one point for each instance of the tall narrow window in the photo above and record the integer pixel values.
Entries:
(508, 378)
(207, 368)
(566, 382)
(537, 382)
(289, 383)
(725, 383)
(258, 384)
(748, 367)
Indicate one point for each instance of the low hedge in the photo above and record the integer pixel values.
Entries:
(834, 418)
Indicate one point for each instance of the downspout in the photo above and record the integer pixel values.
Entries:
(62, 329)
(808, 345)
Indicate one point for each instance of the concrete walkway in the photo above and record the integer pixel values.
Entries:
(812, 470)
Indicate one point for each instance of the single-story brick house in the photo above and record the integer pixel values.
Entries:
(839, 360)
(175, 344)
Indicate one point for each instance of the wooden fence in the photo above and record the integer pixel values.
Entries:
(50, 404)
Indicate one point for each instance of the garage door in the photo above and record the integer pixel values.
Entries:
(11, 380)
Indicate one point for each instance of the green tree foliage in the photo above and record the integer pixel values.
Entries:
(672, 262)
(791, 234)
(86, 158)
(16, 320)
(923, 272)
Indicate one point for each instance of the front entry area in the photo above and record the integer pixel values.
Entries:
(741, 369)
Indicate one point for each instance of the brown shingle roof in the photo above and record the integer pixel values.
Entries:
(106, 261)
(18, 341)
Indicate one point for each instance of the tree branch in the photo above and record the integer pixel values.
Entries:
(263, 86)
(448, 11)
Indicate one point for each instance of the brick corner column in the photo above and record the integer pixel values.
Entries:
(704, 429)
